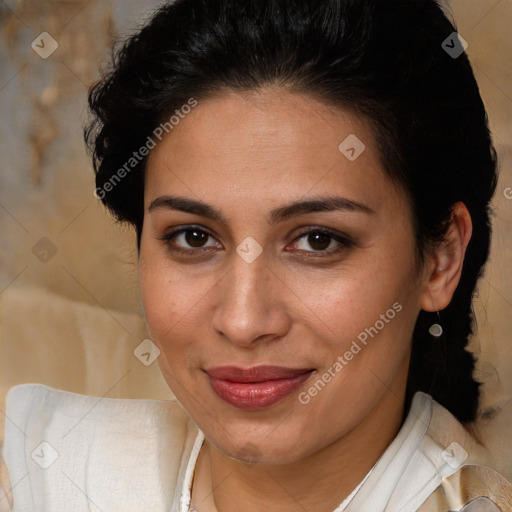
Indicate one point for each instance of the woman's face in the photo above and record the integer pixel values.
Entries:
(282, 324)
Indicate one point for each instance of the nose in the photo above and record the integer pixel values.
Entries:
(251, 306)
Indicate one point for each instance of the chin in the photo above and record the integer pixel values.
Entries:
(263, 447)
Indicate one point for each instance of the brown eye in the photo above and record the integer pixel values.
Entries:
(196, 238)
(190, 240)
(322, 242)
(319, 241)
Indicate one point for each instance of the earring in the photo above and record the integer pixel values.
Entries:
(435, 330)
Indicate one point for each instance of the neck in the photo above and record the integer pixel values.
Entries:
(317, 483)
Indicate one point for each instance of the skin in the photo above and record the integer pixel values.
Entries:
(245, 155)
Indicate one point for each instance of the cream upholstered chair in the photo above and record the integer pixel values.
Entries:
(77, 347)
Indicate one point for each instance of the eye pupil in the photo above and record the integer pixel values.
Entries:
(196, 238)
(319, 241)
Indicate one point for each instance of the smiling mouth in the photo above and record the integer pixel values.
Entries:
(257, 387)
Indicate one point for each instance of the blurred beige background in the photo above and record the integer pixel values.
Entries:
(70, 315)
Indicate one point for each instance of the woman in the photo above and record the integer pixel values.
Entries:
(310, 185)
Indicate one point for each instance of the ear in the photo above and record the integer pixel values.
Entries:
(444, 265)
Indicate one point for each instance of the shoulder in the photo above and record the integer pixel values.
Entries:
(434, 464)
(471, 476)
(68, 450)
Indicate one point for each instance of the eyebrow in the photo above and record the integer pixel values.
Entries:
(313, 205)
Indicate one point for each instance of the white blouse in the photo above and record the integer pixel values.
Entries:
(66, 452)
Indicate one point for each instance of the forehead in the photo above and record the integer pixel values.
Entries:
(269, 143)
(274, 119)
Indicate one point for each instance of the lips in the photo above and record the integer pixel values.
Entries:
(257, 387)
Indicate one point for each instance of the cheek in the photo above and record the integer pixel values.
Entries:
(345, 303)
(363, 323)
(163, 294)
(174, 306)
(165, 301)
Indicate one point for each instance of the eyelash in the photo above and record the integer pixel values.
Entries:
(344, 241)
